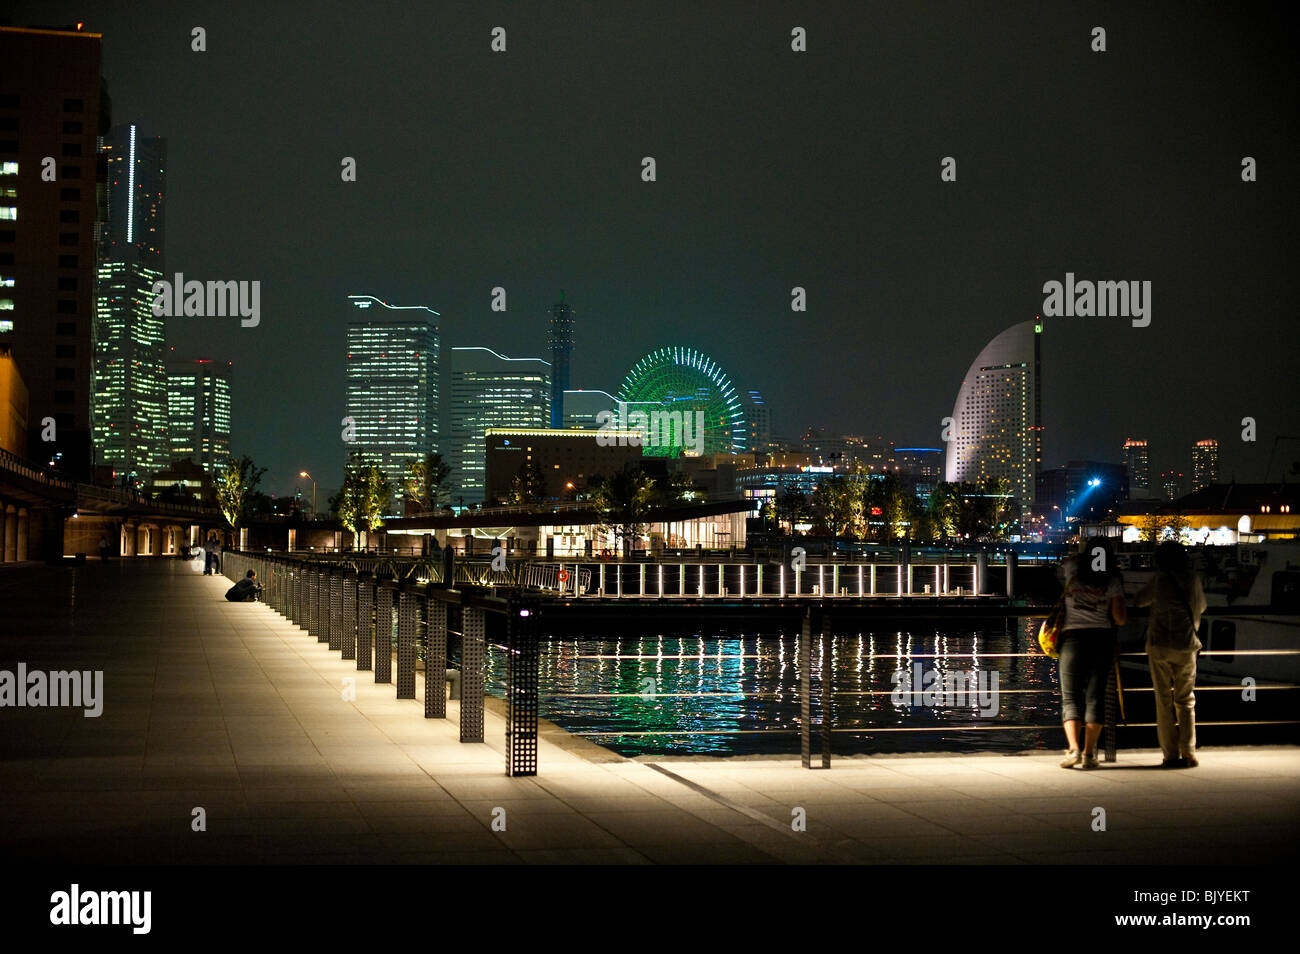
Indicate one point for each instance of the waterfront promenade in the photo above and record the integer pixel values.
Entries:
(231, 709)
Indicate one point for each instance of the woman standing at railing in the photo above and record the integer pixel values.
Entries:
(1094, 604)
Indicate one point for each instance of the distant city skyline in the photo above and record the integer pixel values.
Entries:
(776, 170)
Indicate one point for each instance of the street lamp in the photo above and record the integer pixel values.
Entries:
(313, 491)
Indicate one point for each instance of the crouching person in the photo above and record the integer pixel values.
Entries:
(246, 590)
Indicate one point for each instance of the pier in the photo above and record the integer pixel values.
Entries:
(234, 708)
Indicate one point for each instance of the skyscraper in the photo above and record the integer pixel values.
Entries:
(1173, 483)
(996, 427)
(488, 389)
(1205, 464)
(131, 395)
(198, 412)
(1138, 463)
(582, 408)
(52, 106)
(560, 338)
(392, 384)
(759, 418)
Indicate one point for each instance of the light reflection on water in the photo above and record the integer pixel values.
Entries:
(728, 694)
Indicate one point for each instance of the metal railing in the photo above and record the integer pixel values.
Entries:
(371, 616)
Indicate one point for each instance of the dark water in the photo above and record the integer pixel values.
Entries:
(725, 694)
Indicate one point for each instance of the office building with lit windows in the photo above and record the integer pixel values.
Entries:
(1173, 484)
(1205, 464)
(392, 397)
(758, 418)
(489, 390)
(131, 396)
(198, 413)
(53, 104)
(1138, 463)
(996, 428)
(582, 408)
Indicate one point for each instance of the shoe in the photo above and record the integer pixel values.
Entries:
(1090, 762)
(1072, 758)
(1174, 763)
(1189, 761)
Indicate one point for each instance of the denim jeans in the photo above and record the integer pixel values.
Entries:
(1086, 658)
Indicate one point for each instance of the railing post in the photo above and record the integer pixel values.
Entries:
(336, 609)
(814, 621)
(323, 607)
(522, 660)
(408, 618)
(473, 649)
(313, 603)
(384, 631)
(365, 620)
(435, 658)
(348, 639)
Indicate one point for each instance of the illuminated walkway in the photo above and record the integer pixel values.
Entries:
(232, 709)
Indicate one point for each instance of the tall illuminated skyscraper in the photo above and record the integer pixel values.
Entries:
(1205, 464)
(1138, 463)
(996, 430)
(53, 105)
(392, 384)
(198, 412)
(131, 400)
(488, 389)
(560, 338)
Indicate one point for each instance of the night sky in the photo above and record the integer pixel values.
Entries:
(775, 169)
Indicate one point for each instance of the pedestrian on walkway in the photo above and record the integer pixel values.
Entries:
(1177, 601)
(103, 548)
(1094, 605)
(210, 553)
(246, 590)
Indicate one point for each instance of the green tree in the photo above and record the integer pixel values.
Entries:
(235, 484)
(623, 503)
(896, 506)
(945, 512)
(837, 506)
(365, 495)
(1149, 527)
(674, 490)
(1002, 510)
(425, 481)
(529, 485)
(791, 507)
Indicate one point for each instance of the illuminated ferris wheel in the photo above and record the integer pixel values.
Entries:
(683, 379)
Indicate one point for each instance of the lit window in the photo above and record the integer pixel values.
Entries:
(6, 325)
(8, 168)
(9, 213)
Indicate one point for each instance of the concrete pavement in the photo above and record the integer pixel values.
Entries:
(231, 709)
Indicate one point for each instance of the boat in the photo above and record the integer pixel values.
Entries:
(1251, 625)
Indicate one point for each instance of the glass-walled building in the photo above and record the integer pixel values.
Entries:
(392, 384)
(1205, 464)
(1137, 460)
(53, 106)
(560, 336)
(198, 412)
(486, 390)
(997, 418)
(131, 392)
